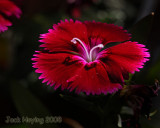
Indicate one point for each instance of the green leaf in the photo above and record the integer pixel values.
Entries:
(29, 106)
(154, 71)
(128, 82)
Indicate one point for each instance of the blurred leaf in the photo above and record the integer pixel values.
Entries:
(154, 71)
(153, 113)
(140, 32)
(29, 106)
(153, 39)
(128, 82)
(80, 101)
(4, 53)
(149, 123)
(141, 29)
(148, 31)
(127, 110)
(119, 121)
(154, 121)
(111, 109)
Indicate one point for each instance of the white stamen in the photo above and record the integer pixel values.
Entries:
(89, 54)
(91, 51)
(74, 40)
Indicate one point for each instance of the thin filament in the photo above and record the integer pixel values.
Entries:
(91, 51)
(74, 40)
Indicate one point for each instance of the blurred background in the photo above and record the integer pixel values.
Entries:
(23, 94)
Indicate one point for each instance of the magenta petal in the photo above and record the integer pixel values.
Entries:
(4, 24)
(129, 55)
(7, 8)
(59, 38)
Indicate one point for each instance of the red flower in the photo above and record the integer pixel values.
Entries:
(7, 8)
(72, 57)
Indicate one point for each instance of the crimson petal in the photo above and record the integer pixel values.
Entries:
(57, 68)
(59, 38)
(106, 32)
(94, 80)
(72, 72)
(129, 56)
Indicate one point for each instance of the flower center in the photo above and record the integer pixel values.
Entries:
(89, 54)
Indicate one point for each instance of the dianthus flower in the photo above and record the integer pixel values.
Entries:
(74, 57)
(7, 8)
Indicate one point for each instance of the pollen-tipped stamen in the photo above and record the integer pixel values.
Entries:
(91, 51)
(88, 54)
(74, 40)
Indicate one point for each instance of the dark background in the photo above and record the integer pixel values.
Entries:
(23, 94)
